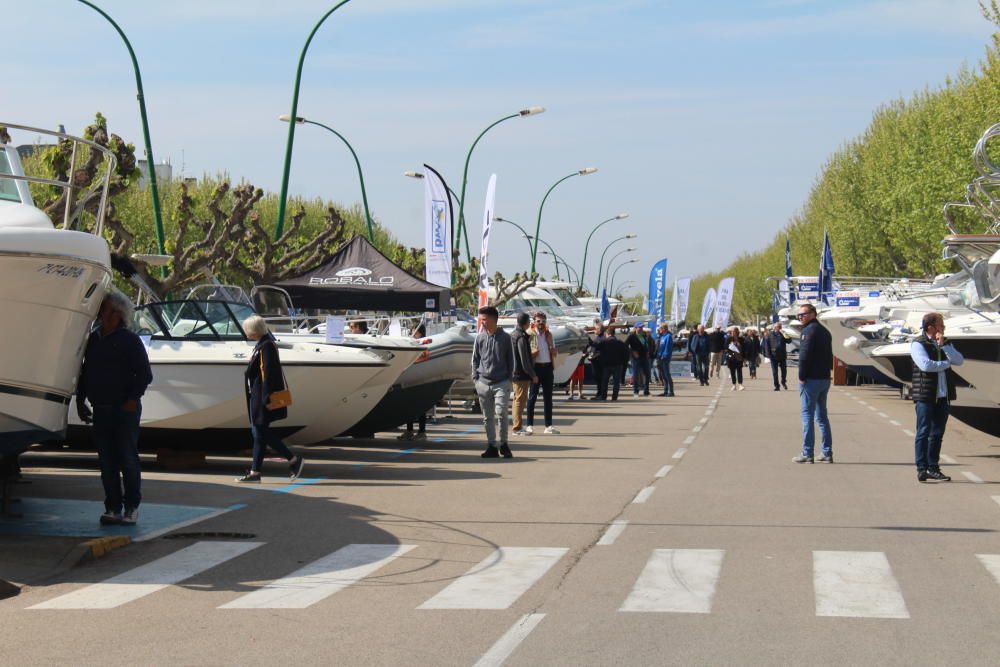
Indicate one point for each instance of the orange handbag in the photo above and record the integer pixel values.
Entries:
(277, 399)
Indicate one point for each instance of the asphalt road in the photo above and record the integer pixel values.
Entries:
(651, 531)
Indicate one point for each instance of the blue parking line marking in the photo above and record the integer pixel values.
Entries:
(297, 485)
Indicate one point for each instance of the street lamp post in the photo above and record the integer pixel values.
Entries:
(286, 170)
(586, 246)
(538, 226)
(612, 261)
(575, 274)
(364, 195)
(600, 265)
(154, 191)
(523, 113)
(615, 273)
(524, 232)
(555, 258)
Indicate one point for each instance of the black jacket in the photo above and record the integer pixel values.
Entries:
(774, 346)
(612, 351)
(524, 364)
(716, 341)
(263, 378)
(925, 385)
(637, 345)
(751, 348)
(698, 344)
(815, 353)
(115, 369)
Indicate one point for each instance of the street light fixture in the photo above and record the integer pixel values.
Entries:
(586, 171)
(600, 265)
(586, 246)
(559, 258)
(524, 232)
(612, 261)
(286, 170)
(523, 113)
(419, 175)
(299, 120)
(154, 191)
(615, 273)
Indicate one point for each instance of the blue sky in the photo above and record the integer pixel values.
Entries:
(709, 121)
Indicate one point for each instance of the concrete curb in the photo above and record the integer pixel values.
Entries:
(94, 549)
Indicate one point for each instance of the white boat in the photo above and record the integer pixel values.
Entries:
(977, 337)
(198, 353)
(52, 282)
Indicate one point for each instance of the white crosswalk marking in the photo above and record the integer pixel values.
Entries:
(511, 639)
(856, 584)
(322, 578)
(149, 578)
(498, 580)
(677, 580)
(992, 564)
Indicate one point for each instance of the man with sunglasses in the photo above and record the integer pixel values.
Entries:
(932, 392)
(543, 351)
(815, 364)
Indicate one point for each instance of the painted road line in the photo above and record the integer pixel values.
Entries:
(677, 580)
(872, 408)
(146, 579)
(862, 402)
(996, 499)
(614, 531)
(948, 459)
(703, 420)
(973, 477)
(498, 580)
(690, 439)
(909, 433)
(856, 584)
(184, 524)
(992, 564)
(679, 454)
(883, 415)
(511, 639)
(321, 578)
(894, 422)
(644, 494)
(697, 429)
(662, 472)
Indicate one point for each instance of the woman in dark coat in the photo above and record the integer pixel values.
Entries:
(263, 377)
(751, 351)
(734, 359)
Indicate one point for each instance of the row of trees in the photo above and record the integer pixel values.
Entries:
(881, 194)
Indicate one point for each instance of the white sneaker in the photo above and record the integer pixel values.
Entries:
(551, 430)
(733, 388)
(572, 397)
(742, 387)
(528, 430)
(519, 432)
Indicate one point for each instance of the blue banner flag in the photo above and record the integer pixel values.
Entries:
(605, 305)
(826, 288)
(656, 303)
(788, 269)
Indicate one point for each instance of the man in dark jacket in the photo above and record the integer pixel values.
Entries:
(932, 393)
(524, 370)
(113, 378)
(815, 363)
(698, 348)
(614, 355)
(775, 348)
(716, 348)
(639, 352)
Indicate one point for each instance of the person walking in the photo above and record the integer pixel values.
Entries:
(775, 348)
(815, 363)
(524, 370)
(638, 348)
(492, 374)
(543, 351)
(593, 355)
(614, 356)
(716, 350)
(735, 358)
(113, 377)
(751, 352)
(263, 379)
(932, 392)
(664, 352)
(698, 348)
(419, 332)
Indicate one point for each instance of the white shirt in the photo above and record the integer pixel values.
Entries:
(544, 356)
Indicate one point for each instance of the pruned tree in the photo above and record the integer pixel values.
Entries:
(507, 289)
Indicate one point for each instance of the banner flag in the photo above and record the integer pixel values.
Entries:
(783, 296)
(656, 300)
(684, 296)
(788, 269)
(675, 306)
(708, 305)
(484, 276)
(438, 216)
(724, 302)
(605, 305)
(826, 286)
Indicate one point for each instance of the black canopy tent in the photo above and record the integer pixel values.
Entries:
(360, 277)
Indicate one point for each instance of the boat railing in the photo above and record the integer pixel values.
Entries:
(76, 197)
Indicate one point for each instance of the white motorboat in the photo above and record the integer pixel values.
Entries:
(977, 337)
(52, 282)
(198, 353)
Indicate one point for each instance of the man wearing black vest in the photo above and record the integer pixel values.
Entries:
(815, 364)
(932, 392)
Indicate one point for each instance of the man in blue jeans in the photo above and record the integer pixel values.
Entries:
(932, 393)
(664, 351)
(815, 363)
(113, 378)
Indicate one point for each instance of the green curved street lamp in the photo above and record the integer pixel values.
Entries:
(154, 191)
(575, 277)
(364, 195)
(286, 170)
(524, 232)
(586, 246)
(613, 275)
(555, 258)
(523, 113)
(600, 265)
(538, 226)
(612, 261)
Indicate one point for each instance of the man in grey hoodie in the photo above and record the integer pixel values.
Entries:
(492, 370)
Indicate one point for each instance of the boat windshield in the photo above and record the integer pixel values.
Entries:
(550, 307)
(565, 295)
(192, 320)
(8, 186)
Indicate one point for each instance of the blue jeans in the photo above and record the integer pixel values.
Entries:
(640, 374)
(668, 381)
(116, 436)
(931, 420)
(812, 398)
(262, 439)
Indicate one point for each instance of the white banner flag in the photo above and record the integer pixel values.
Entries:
(724, 302)
(437, 218)
(683, 296)
(675, 311)
(708, 305)
(484, 276)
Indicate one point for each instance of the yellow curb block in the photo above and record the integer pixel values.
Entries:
(105, 545)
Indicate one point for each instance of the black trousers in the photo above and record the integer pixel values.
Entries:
(736, 374)
(775, 363)
(701, 368)
(613, 375)
(545, 377)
